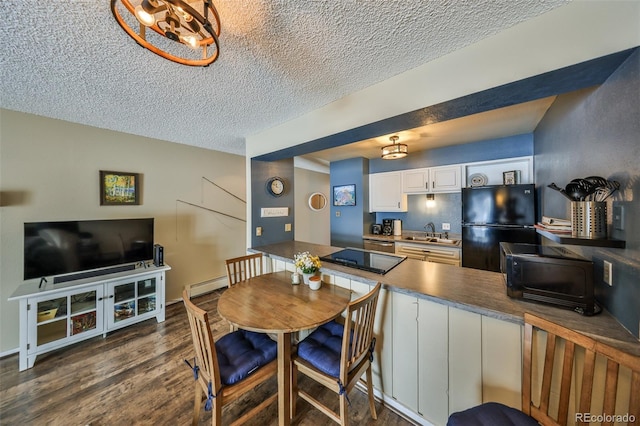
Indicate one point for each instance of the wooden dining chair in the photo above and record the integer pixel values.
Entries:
(243, 267)
(569, 370)
(336, 355)
(227, 369)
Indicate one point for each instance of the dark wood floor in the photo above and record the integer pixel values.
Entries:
(137, 375)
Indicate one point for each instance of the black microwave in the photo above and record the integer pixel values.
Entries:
(548, 274)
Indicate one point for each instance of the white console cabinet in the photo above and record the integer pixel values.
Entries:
(56, 315)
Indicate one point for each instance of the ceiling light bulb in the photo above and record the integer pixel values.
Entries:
(191, 41)
(147, 19)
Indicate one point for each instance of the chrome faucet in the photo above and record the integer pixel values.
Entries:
(431, 226)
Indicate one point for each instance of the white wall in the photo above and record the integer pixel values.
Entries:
(311, 226)
(49, 170)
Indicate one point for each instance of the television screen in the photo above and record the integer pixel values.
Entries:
(55, 248)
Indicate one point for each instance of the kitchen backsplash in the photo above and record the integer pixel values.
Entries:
(446, 209)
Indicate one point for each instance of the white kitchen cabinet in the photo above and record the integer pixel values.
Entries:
(382, 367)
(405, 350)
(415, 181)
(385, 192)
(57, 315)
(432, 180)
(445, 179)
(433, 361)
(502, 362)
(465, 359)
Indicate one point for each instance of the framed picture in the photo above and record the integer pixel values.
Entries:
(511, 177)
(344, 195)
(119, 188)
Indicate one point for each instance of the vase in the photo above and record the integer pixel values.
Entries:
(306, 276)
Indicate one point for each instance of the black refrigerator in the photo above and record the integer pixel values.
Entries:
(492, 214)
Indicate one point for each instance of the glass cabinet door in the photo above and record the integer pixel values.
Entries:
(52, 320)
(146, 295)
(124, 301)
(67, 315)
(133, 298)
(83, 312)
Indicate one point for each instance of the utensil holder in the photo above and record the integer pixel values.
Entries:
(589, 219)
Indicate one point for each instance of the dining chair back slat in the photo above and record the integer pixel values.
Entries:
(244, 267)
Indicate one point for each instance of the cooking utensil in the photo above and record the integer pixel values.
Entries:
(599, 181)
(560, 190)
(580, 189)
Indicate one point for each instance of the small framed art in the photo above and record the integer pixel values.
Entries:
(511, 177)
(119, 188)
(344, 195)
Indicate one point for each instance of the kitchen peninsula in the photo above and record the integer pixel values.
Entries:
(448, 337)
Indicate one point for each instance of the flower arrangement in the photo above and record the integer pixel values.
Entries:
(307, 263)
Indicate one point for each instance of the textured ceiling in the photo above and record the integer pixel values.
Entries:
(279, 59)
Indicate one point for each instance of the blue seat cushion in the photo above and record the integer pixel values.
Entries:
(323, 347)
(242, 352)
(491, 414)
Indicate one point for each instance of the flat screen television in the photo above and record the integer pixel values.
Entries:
(57, 248)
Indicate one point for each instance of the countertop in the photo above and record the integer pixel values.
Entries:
(473, 290)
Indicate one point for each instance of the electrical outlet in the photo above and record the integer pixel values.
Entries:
(446, 226)
(608, 273)
(258, 231)
(337, 213)
(287, 227)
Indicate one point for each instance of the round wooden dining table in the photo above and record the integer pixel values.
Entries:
(269, 303)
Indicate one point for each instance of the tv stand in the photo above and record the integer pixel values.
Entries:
(54, 316)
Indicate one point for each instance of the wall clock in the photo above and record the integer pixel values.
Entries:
(275, 186)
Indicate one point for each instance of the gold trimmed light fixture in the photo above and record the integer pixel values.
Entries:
(394, 151)
(181, 31)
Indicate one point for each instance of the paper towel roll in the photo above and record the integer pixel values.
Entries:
(397, 227)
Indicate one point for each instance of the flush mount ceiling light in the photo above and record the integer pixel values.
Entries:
(180, 31)
(397, 150)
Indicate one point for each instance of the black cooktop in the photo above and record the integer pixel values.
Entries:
(366, 260)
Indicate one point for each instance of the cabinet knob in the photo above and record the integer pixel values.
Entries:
(111, 296)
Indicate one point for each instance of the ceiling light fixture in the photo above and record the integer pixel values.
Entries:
(181, 31)
(394, 151)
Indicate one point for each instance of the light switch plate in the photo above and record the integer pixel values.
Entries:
(618, 217)
(287, 227)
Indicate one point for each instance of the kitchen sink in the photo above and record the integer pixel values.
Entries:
(432, 240)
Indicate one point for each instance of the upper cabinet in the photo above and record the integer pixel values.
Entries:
(434, 179)
(445, 179)
(385, 193)
(415, 181)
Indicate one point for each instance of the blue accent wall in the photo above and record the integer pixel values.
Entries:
(272, 227)
(446, 209)
(596, 132)
(353, 221)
